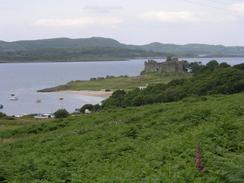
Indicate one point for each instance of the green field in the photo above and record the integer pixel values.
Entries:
(152, 143)
(115, 83)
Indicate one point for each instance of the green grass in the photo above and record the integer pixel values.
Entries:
(153, 143)
(115, 83)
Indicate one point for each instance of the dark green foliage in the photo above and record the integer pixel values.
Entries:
(193, 67)
(210, 79)
(153, 143)
(224, 65)
(117, 99)
(90, 107)
(239, 66)
(212, 65)
(61, 113)
(86, 106)
(3, 174)
(2, 115)
(97, 107)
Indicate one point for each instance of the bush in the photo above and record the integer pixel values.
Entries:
(2, 115)
(213, 64)
(239, 66)
(90, 107)
(193, 67)
(61, 113)
(109, 77)
(97, 107)
(224, 65)
(117, 99)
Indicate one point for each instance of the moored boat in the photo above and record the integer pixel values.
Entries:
(39, 101)
(13, 97)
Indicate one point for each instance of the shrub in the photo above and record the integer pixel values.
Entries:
(193, 67)
(97, 107)
(61, 113)
(109, 77)
(213, 64)
(224, 65)
(239, 66)
(90, 107)
(2, 115)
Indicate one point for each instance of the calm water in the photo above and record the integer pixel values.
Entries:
(25, 79)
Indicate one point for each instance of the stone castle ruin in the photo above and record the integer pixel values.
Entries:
(172, 65)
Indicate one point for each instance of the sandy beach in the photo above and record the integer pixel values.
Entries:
(100, 93)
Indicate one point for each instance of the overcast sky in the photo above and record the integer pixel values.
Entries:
(128, 21)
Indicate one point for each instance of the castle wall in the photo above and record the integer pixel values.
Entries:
(180, 66)
(170, 66)
(152, 66)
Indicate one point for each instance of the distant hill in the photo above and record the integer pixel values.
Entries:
(98, 48)
(196, 49)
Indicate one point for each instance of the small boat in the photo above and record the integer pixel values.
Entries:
(1, 106)
(61, 98)
(13, 97)
(44, 116)
(39, 101)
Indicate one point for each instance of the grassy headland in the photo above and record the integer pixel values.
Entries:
(152, 143)
(115, 83)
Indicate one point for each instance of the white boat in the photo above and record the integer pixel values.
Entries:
(44, 116)
(13, 98)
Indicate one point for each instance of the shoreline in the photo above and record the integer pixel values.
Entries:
(90, 93)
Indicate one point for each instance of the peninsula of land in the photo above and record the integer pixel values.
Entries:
(104, 49)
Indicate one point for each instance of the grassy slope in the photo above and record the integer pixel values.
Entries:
(154, 143)
(118, 82)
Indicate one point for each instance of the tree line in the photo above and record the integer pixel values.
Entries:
(212, 78)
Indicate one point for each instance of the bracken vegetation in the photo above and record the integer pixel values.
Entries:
(152, 143)
(189, 130)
